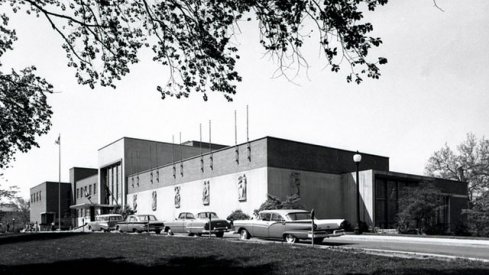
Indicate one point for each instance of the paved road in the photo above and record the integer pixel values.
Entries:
(465, 248)
(404, 246)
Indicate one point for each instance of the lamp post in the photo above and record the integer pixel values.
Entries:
(58, 142)
(13, 225)
(357, 158)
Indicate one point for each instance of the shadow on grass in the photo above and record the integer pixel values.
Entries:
(118, 265)
(28, 237)
(471, 271)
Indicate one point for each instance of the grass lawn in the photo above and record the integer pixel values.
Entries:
(52, 253)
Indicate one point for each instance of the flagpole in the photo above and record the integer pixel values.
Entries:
(59, 182)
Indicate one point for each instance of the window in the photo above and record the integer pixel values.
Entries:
(265, 216)
(39, 195)
(276, 217)
(190, 216)
(94, 188)
(299, 216)
(85, 193)
(90, 189)
(205, 215)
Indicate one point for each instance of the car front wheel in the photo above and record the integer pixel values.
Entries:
(290, 238)
(220, 234)
(243, 234)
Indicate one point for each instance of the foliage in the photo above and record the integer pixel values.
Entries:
(418, 207)
(478, 216)
(195, 38)
(124, 211)
(7, 195)
(469, 164)
(274, 202)
(24, 112)
(238, 215)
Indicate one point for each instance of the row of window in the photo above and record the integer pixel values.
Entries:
(86, 190)
(36, 196)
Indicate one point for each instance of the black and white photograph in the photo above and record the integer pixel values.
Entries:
(244, 137)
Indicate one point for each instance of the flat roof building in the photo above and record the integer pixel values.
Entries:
(165, 179)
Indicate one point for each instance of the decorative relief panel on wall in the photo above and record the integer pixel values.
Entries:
(157, 175)
(206, 193)
(151, 177)
(132, 181)
(242, 188)
(135, 202)
(153, 204)
(177, 196)
(295, 183)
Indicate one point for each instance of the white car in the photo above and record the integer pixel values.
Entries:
(290, 225)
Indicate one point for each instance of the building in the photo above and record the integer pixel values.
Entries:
(48, 200)
(165, 179)
(85, 204)
(241, 177)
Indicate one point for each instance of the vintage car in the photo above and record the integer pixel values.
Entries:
(140, 223)
(104, 223)
(188, 223)
(290, 225)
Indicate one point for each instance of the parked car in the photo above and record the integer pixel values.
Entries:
(105, 223)
(140, 223)
(290, 225)
(188, 223)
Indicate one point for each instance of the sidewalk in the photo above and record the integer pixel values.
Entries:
(414, 239)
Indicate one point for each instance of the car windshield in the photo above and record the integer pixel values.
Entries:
(205, 215)
(299, 216)
(147, 218)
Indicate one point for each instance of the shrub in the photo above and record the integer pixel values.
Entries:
(478, 216)
(274, 202)
(238, 215)
(418, 207)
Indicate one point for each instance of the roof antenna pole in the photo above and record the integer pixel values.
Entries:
(210, 146)
(248, 147)
(236, 136)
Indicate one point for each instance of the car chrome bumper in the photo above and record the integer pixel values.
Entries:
(216, 230)
(336, 233)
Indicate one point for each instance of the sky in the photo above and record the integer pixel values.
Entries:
(434, 90)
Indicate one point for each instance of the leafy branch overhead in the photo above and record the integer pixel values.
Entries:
(194, 38)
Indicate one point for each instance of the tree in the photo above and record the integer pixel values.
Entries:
(7, 195)
(24, 112)
(470, 163)
(418, 208)
(194, 39)
(478, 216)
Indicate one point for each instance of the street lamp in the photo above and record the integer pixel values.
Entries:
(357, 158)
(13, 225)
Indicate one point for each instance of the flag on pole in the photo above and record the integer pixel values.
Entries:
(58, 140)
(88, 196)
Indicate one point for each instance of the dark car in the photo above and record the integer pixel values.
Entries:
(140, 223)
